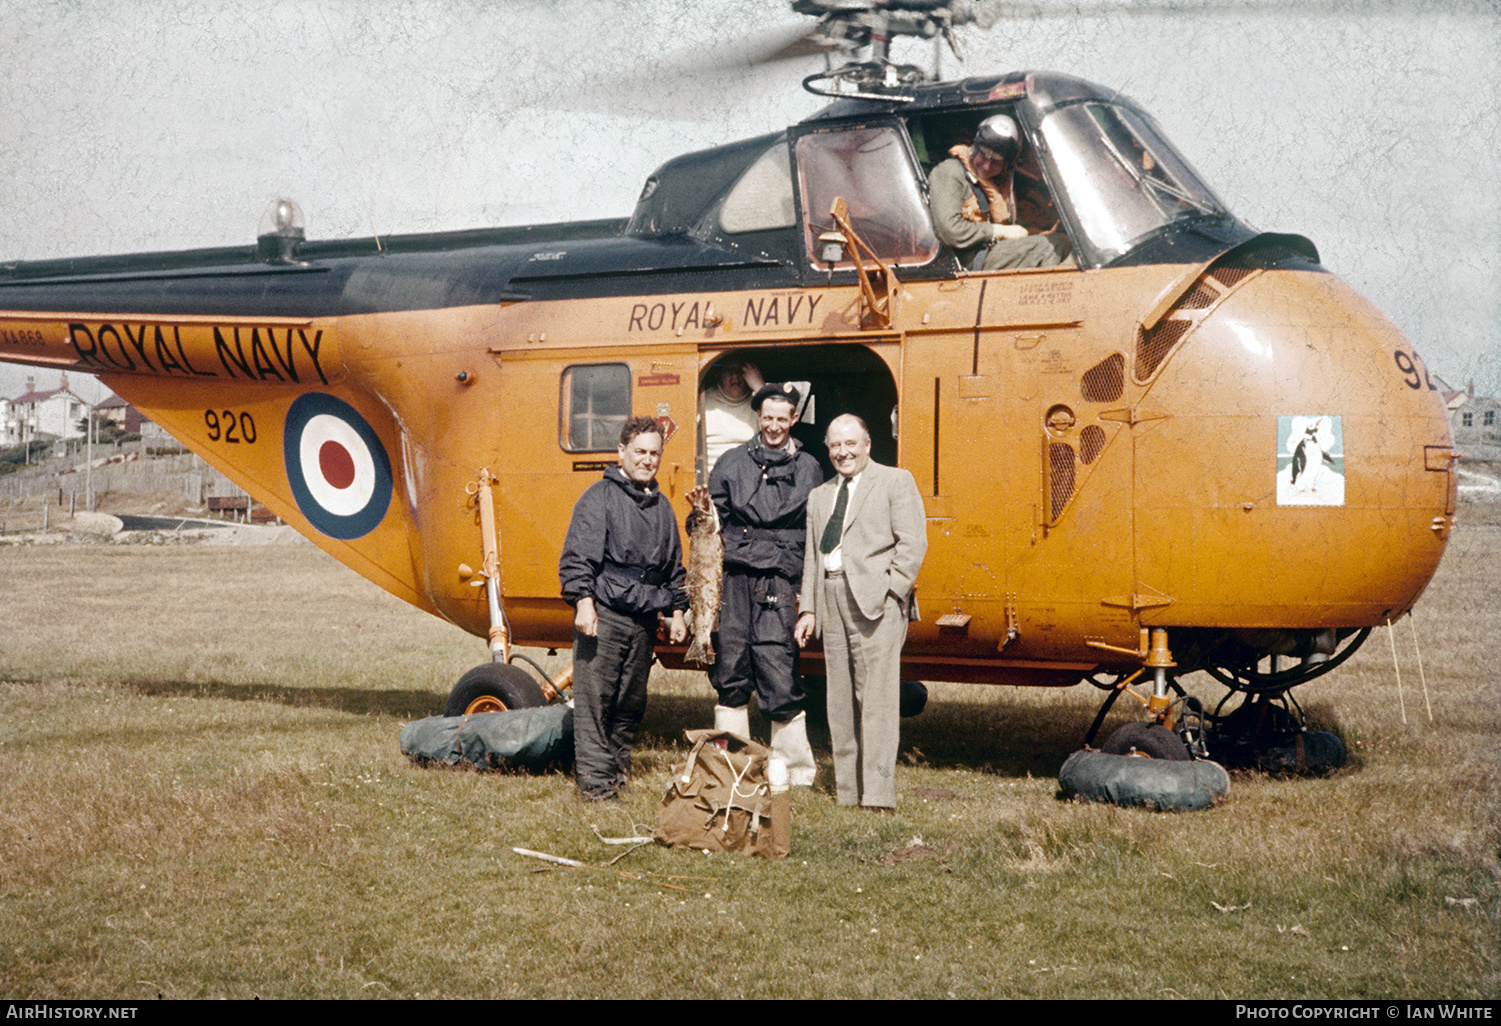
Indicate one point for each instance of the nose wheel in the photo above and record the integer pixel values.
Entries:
(493, 687)
(1176, 733)
(1260, 725)
(1268, 732)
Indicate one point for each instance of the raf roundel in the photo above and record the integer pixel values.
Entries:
(339, 472)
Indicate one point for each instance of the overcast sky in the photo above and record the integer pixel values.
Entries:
(130, 125)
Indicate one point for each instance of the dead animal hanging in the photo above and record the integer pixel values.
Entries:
(705, 581)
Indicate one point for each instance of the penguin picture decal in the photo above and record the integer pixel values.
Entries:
(1310, 461)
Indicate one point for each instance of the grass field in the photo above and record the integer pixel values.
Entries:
(201, 795)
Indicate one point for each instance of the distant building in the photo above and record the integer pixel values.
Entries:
(55, 414)
(120, 413)
(1475, 421)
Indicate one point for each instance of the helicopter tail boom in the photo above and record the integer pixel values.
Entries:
(288, 351)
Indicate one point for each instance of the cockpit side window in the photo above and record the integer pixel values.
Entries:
(762, 199)
(1012, 192)
(1120, 176)
(870, 168)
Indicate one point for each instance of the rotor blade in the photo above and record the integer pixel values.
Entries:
(697, 83)
(790, 42)
(997, 10)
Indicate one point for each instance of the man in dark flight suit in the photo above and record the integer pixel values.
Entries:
(622, 566)
(761, 491)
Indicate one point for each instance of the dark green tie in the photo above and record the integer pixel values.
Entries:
(835, 527)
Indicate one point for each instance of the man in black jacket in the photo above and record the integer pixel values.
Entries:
(622, 566)
(761, 491)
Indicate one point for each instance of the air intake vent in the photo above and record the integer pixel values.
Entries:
(1261, 257)
(1208, 290)
(1153, 346)
(1091, 442)
(1200, 297)
(1060, 478)
(1228, 274)
(1105, 381)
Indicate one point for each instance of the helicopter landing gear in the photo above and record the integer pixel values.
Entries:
(1159, 763)
(493, 687)
(1267, 732)
(497, 686)
(1147, 764)
(1174, 715)
(1150, 739)
(534, 735)
(1178, 731)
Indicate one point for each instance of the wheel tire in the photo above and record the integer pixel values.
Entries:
(1152, 740)
(913, 698)
(493, 687)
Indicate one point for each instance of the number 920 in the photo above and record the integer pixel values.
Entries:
(229, 426)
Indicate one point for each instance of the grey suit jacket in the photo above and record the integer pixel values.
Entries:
(885, 538)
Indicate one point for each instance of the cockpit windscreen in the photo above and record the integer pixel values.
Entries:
(1121, 177)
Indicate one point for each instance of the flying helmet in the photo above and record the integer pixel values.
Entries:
(1000, 135)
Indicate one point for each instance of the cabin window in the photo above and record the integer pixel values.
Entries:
(870, 168)
(1120, 176)
(594, 406)
(1467, 419)
(1490, 418)
(762, 199)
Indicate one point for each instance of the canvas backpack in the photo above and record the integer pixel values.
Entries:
(720, 799)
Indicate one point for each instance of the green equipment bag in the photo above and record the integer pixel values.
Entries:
(535, 740)
(720, 799)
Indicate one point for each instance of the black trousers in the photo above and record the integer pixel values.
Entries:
(754, 650)
(609, 699)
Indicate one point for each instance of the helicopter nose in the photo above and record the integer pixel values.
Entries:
(1293, 457)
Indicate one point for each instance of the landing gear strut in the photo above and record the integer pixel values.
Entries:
(498, 685)
(1160, 763)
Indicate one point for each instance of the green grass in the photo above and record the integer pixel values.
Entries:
(201, 795)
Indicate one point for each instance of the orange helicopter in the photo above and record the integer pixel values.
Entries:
(1189, 446)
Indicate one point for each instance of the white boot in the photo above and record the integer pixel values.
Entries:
(736, 721)
(789, 742)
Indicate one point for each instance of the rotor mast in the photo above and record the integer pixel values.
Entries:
(849, 26)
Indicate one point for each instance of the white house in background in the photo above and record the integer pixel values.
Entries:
(1474, 421)
(58, 413)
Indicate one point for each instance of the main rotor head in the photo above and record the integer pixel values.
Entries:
(847, 27)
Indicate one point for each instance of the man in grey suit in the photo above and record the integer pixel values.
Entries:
(867, 534)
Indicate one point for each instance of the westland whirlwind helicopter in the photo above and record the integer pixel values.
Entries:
(1188, 446)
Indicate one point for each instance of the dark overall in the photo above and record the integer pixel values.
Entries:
(762, 497)
(623, 551)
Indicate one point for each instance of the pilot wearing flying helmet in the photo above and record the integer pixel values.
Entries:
(975, 198)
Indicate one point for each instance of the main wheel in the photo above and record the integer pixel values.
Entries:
(493, 687)
(913, 698)
(1150, 739)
